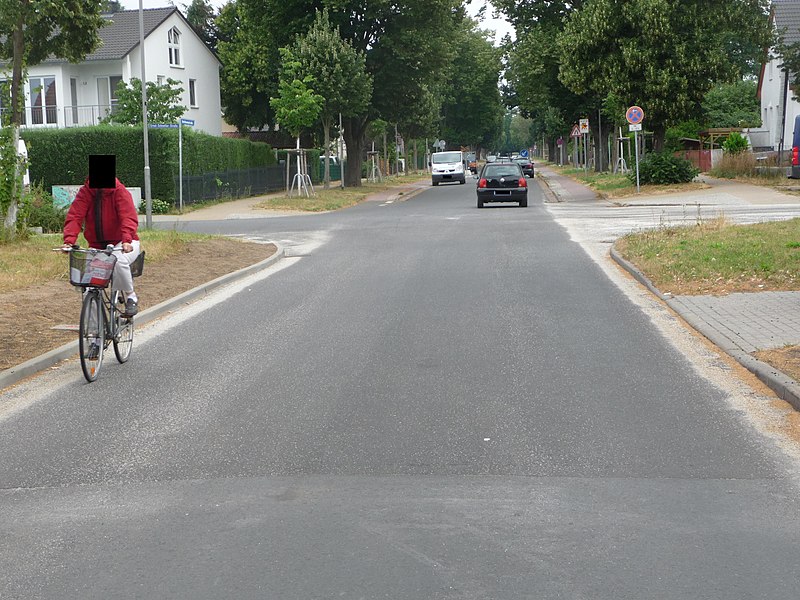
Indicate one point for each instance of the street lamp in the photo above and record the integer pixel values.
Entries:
(147, 195)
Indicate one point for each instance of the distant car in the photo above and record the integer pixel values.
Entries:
(502, 182)
(526, 164)
(491, 158)
(472, 162)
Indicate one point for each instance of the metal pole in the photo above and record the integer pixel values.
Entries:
(636, 149)
(599, 162)
(341, 157)
(396, 152)
(146, 140)
(180, 165)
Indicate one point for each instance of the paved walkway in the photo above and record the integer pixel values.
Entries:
(739, 323)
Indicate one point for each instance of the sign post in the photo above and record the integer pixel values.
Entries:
(585, 135)
(635, 116)
(575, 134)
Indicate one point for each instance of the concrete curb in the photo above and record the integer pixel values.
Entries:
(35, 365)
(784, 386)
(550, 195)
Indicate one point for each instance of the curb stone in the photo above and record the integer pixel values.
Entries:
(784, 386)
(13, 375)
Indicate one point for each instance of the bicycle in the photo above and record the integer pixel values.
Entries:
(102, 320)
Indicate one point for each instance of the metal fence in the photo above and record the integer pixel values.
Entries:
(241, 183)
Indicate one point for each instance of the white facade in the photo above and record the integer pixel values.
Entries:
(61, 94)
(772, 88)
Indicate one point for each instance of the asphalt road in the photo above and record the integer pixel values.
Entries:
(426, 401)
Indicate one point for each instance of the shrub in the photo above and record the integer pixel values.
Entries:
(664, 168)
(38, 210)
(157, 207)
(735, 143)
(733, 165)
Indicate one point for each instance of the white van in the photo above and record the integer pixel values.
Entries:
(448, 166)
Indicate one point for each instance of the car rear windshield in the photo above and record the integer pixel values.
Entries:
(501, 170)
(447, 157)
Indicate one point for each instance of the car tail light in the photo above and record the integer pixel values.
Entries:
(795, 157)
(522, 182)
(482, 183)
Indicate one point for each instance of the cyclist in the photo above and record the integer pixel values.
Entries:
(104, 210)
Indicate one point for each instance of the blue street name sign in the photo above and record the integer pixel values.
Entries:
(187, 122)
(163, 125)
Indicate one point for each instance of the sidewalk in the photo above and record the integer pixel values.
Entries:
(245, 208)
(738, 323)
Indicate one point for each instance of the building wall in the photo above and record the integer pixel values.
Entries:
(772, 106)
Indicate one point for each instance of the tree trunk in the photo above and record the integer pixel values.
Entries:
(17, 106)
(659, 134)
(326, 125)
(354, 128)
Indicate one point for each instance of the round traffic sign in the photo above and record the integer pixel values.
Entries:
(634, 115)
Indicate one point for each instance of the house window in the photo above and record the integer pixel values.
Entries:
(193, 92)
(43, 101)
(160, 80)
(107, 94)
(174, 46)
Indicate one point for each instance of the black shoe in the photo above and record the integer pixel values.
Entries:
(131, 308)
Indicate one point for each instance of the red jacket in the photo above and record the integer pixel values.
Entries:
(117, 221)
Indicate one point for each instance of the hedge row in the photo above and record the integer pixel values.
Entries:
(60, 156)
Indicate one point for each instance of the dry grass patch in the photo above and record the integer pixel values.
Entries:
(716, 257)
(786, 360)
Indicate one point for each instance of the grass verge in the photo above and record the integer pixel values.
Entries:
(335, 197)
(617, 185)
(31, 261)
(716, 257)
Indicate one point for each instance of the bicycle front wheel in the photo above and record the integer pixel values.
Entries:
(91, 340)
(123, 340)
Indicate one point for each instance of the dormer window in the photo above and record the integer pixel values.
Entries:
(174, 46)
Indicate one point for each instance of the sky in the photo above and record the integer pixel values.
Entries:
(499, 26)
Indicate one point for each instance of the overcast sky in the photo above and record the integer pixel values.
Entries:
(499, 26)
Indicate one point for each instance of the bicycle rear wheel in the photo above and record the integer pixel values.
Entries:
(91, 340)
(123, 340)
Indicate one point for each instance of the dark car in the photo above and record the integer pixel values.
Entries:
(795, 174)
(502, 182)
(526, 164)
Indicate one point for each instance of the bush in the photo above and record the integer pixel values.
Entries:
(38, 210)
(157, 207)
(60, 156)
(664, 168)
(733, 165)
(735, 143)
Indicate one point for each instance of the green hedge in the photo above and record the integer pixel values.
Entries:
(60, 156)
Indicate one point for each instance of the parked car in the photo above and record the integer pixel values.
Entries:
(526, 164)
(502, 182)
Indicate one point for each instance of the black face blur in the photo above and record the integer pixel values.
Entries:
(102, 171)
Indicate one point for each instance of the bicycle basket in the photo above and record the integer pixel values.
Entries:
(91, 269)
(137, 266)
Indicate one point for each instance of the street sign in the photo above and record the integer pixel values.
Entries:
(576, 132)
(634, 115)
(560, 141)
(635, 127)
(188, 122)
(584, 125)
(524, 153)
(162, 125)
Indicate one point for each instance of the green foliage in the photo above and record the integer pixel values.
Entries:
(200, 15)
(686, 129)
(163, 103)
(689, 45)
(60, 156)
(297, 106)
(661, 168)
(735, 143)
(733, 105)
(8, 169)
(37, 210)
(157, 207)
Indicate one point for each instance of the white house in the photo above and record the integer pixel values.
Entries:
(62, 94)
(778, 109)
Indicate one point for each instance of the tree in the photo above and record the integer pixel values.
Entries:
(112, 6)
(201, 17)
(472, 108)
(35, 30)
(297, 106)
(406, 44)
(733, 105)
(339, 75)
(689, 46)
(163, 103)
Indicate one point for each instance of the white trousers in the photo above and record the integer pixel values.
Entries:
(123, 280)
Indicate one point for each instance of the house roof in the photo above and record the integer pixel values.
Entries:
(121, 33)
(786, 15)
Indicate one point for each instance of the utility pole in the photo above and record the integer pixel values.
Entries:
(147, 194)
